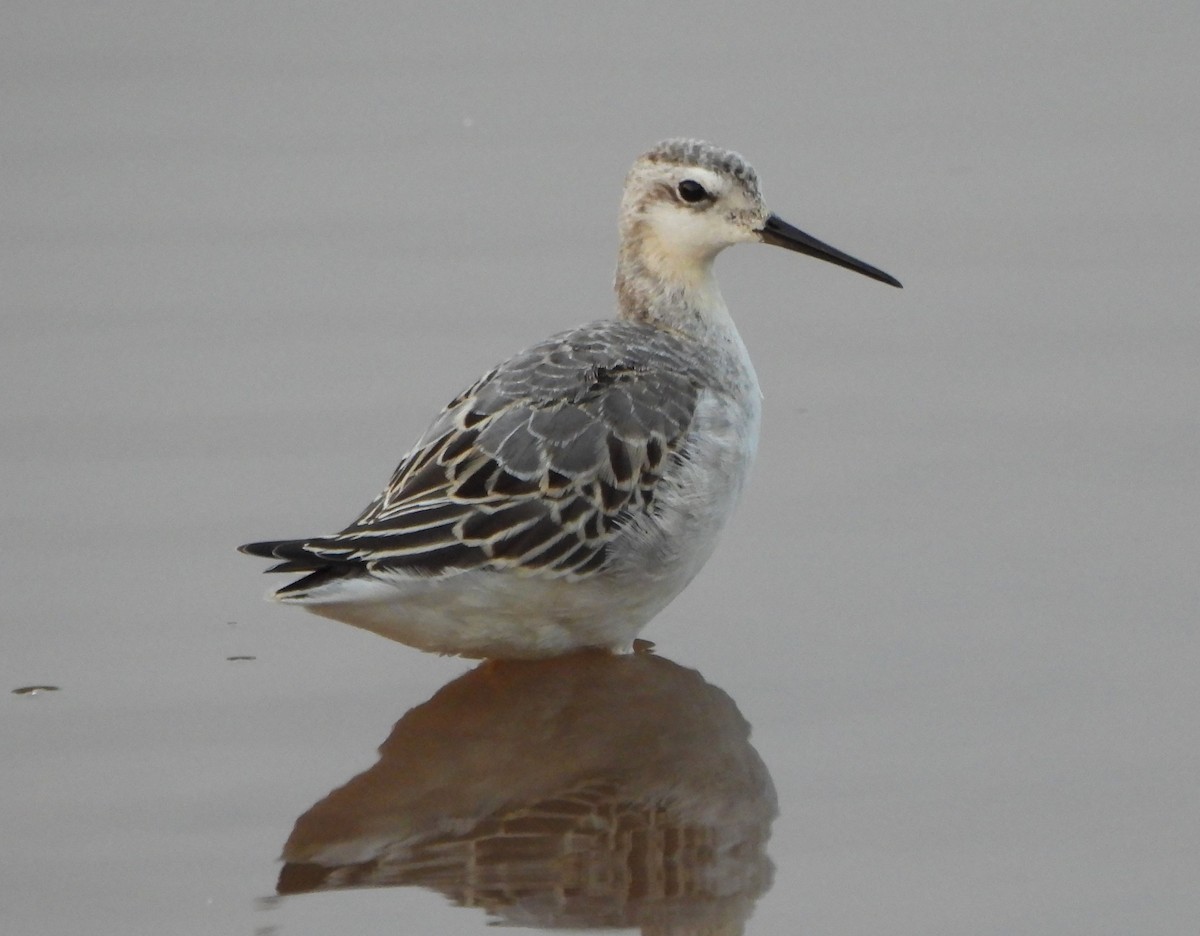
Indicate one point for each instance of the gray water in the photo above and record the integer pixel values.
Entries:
(249, 249)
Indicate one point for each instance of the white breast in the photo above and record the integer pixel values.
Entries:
(663, 550)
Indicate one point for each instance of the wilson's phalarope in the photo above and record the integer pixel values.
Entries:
(570, 493)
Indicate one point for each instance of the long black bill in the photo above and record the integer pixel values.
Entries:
(778, 232)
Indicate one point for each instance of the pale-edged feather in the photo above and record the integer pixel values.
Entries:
(534, 469)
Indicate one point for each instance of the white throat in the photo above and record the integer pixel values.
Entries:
(676, 289)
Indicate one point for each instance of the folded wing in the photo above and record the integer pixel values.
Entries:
(533, 469)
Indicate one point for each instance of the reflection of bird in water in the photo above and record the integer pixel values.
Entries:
(589, 790)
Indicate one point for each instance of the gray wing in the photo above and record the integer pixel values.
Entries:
(534, 468)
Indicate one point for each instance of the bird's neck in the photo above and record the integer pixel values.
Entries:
(667, 289)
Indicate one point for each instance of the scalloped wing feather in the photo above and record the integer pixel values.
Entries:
(533, 469)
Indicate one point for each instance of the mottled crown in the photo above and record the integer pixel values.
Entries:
(687, 152)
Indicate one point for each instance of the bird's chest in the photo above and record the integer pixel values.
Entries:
(699, 488)
(714, 462)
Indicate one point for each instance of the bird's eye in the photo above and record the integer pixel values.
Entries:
(692, 191)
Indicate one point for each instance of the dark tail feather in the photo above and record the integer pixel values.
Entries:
(315, 579)
(265, 549)
(297, 559)
(294, 553)
(291, 565)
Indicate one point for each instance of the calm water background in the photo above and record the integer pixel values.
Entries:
(249, 248)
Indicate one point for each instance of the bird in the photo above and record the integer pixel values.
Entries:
(569, 494)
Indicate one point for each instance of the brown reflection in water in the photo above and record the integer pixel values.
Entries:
(591, 790)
